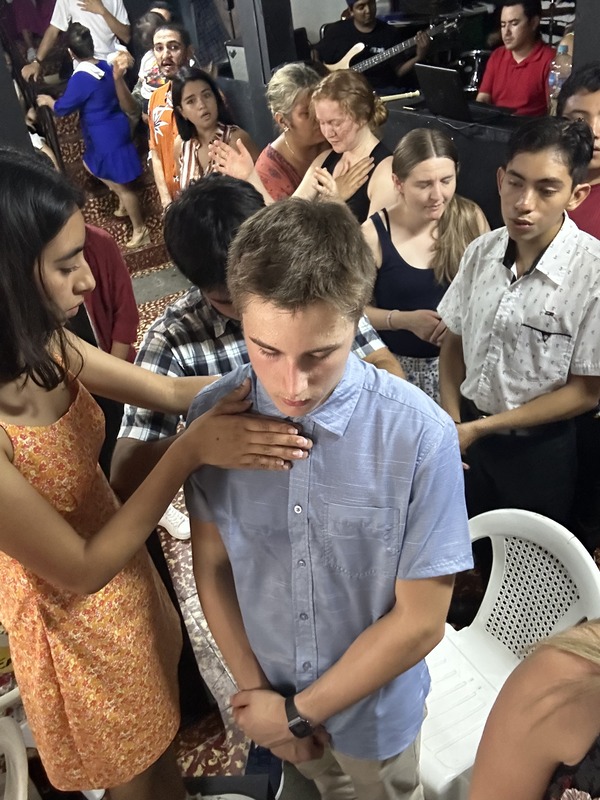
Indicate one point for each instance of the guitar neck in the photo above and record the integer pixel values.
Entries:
(393, 51)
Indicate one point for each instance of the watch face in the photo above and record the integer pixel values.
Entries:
(301, 728)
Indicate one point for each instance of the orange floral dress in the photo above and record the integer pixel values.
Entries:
(97, 673)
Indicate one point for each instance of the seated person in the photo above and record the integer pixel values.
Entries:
(201, 334)
(541, 741)
(516, 75)
(325, 586)
(363, 27)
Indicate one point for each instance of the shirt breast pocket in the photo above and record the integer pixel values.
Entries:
(543, 351)
(362, 541)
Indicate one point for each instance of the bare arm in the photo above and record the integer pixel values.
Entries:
(452, 374)
(34, 69)
(120, 350)
(384, 359)
(386, 649)
(483, 97)
(120, 29)
(119, 380)
(531, 729)
(256, 443)
(423, 43)
(84, 565)
(131, 462)
(381, 188)
(241, 136)
(218, 597)
(159, 179)
(579, 394)
(126, 100)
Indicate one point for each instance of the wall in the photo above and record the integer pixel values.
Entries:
(311, 14)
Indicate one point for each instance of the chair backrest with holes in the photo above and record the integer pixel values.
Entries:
(12, 747)
(542, 581)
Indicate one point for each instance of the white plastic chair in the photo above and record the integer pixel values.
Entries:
(15, 783)
(11, 698)
(542, 581)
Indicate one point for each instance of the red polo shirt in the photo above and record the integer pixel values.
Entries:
(523, 85)
(587, 215)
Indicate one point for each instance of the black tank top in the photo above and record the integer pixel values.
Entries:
(359, 202)
(406, 288)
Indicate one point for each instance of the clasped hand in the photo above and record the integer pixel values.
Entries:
(260, 713)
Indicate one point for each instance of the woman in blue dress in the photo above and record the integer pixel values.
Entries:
(109, 154)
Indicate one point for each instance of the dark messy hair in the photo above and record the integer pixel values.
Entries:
(35, 204)
(144, 29)
(296, 252)
(178, 29)
(531, 9)
(572, 139)
(79, 41)
(186, 75)
(201, 223)
(585, 79)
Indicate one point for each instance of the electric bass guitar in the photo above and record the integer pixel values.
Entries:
(379, 58)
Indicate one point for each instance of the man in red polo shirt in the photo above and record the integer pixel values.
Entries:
(516, 75)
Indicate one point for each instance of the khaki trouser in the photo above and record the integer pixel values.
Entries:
(341, 777)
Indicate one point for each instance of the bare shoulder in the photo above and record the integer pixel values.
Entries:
(381, 191)
(372, 239)
(320, 159)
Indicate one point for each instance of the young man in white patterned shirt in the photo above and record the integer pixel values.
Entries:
(521, 357)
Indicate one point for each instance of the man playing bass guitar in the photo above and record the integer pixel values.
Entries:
(363, 27)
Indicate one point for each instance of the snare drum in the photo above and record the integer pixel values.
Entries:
(471, 66)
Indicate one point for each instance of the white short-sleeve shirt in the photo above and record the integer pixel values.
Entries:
(105, 42)
(522, 337)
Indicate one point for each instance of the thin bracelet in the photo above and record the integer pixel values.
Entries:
(388, 320)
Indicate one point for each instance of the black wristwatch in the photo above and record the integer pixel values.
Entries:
(300, 727)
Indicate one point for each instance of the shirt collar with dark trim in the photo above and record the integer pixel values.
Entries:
(335, 413)
(553, 268)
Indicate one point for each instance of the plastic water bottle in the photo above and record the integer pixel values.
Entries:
(560, 70)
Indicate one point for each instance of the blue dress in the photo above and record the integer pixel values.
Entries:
(109, 151)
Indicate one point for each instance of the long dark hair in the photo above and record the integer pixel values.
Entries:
(186, 75)
(35, 204)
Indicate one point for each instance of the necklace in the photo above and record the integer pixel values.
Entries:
(287, 144)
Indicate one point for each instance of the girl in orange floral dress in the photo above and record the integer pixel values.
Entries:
(94, 639)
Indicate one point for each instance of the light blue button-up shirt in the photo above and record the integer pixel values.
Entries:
(316, 551)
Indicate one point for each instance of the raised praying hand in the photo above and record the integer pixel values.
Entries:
(234, 161)
(353, 177)
(93, 6)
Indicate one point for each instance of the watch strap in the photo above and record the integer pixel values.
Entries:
(298, 725)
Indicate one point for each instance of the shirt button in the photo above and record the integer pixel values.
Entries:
(306, 666)
(303, 616)
(297, 509)
(301, 563)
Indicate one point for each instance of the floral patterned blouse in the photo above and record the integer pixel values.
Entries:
(577, 782)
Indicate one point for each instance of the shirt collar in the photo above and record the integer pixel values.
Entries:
(335, 413)
(219, 321)
(91, 69)
(550, 261)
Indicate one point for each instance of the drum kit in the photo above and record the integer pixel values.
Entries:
(470, 65)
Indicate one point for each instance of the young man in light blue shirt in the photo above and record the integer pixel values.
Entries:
(327, 584)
